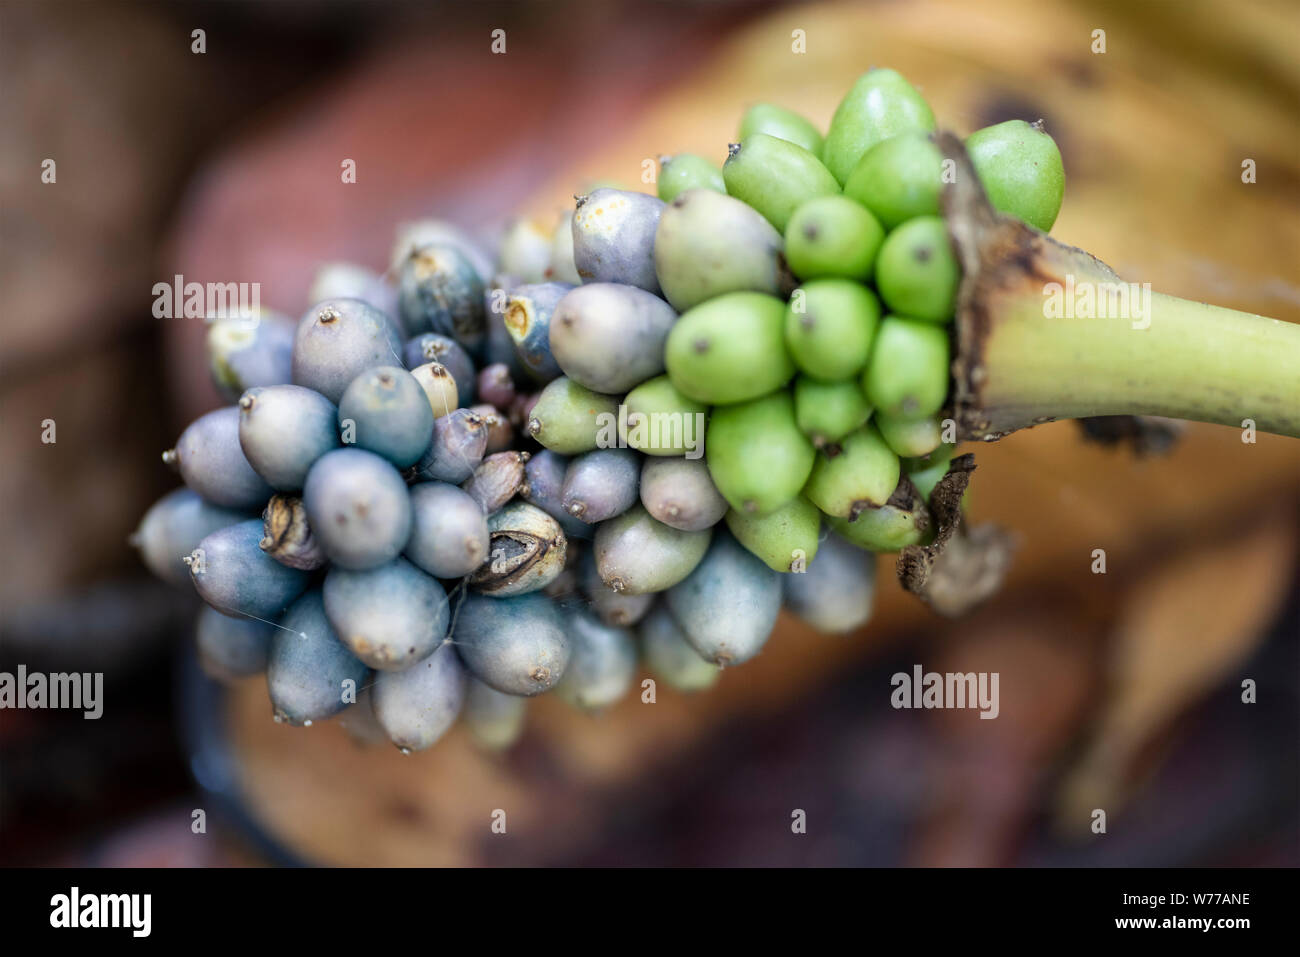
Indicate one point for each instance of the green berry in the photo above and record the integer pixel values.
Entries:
(885, 529)
(909, 438)
(669, 426)
(829, 326)
(730, 349)
(832, 236)
(687, 171)
(880, 105)
(828, 411)
(863, 472)
(898, 179)
(1021, 169)
(569, 418)
(756, 454)
(784, 539)
(917, 273)
(775, 176)
(783, 124)
(907, 375)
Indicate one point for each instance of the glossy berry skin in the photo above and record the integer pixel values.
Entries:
(829, 326)
(687, 171)
(337, 340)
(283, 430)
(212, 463)
(881, 104)
(231, 648)
(907, 375)
(783, 124)
(609, 337)
(441, 291)
(173, 527)
(614, 237)
(917, 272)
(358, 508)
(243, 353)
(544, 477)
(612, 607)
(826, 412)
(518, 645)
(570, 418)
(234, 576)
(432, 347)
(1020, 167)
(601, 484)
(680, 492)
(836, 593)
(757, 456)
(418, 706)
(389, 415)
(708, 244)
(730, 349)
(785, 539)
(603, 663)
(661, 421)
(728, 605)
(898, 179)
(888, 528)
(494, 720)
(670, 657)
(309, 672)
(459, 443)
(776, 177)
(910, 439)
(390, 617)
(832, 237)
(863, 474)
(528, 318)
(449, 534)
(636, 555)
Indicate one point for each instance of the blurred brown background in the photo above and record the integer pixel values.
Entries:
(1118, 691)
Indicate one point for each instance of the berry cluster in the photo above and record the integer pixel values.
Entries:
(642, 421)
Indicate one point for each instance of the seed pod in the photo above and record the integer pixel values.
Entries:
(832, 237)
(829, 326)
(608, 337)
(173, 527)
(358, 508)
(880, 105)
(526, 553)
(431, 347)
(494, 720)
(903, 520)
(1020, 168)
(309, 672)
(917, 272)
(525, 252)
(213, 464)
(497, 480)
(528, 320)
(341, 280)
(786, 539)
(783, 124)
(611, 607)
(390, 617)
(418, 706)
(449, 533)
(757, 456)
(863, 472)
(234, 576)
(439, 387)
(517, 645)
(775, 176)
(283, 430)
(337, 340)
(728, 605)
(459, 442)
(544, 478)
(636, 554)
(500, 433)
(569, 418)
(907, 374)
(730, 349)
(244, 353)
(681, 493)
(495, 387)
(286, 534)
(687, 171)
(709, 243)
(602, 666)
(601, 484)
(670, 656)
(910, 439)
(442, 292)
(231, 648)
(835, 594)
(562, 268)
(898, 179)
(614, 237)
(426, 232)
(826, 412)
(662, 421)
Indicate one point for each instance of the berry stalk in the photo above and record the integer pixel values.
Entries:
(1044, 332)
